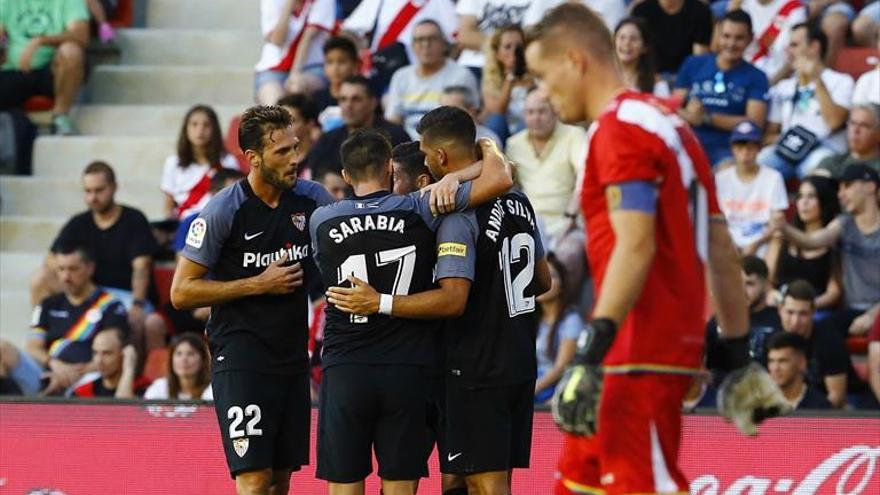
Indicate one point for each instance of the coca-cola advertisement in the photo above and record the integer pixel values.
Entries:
(77, 449)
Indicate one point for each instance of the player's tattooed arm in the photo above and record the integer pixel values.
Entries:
(446, 301)
(190, 289)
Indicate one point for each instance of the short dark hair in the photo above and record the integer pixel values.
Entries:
(344, 44)
(753, 265)
(739, 16)
(800, 290)
(362, 81)
(101, 167)
(84, 253)
(782, 340)
(256, 122)
(448, 124)
(435, 24)
(411, 158)
(814, 33)
(301, 102)
(121, 335)
(364, 153)
(218, 181)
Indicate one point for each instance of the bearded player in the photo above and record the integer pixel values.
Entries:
(648, 200)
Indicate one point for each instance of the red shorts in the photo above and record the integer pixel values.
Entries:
(636, 448)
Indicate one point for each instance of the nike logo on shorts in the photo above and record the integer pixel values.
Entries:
(450, 457)
(248, 237)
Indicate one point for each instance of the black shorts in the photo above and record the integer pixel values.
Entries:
(16, 86)
(264, 418)
(373, 406)
(486, 428)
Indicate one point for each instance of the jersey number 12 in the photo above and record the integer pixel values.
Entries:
(512, 250)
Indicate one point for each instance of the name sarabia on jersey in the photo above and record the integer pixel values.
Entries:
(354, 225)
(261, 260)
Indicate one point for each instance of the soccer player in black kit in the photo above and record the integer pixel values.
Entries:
(374, 391)
(489, 260)
(244, 257)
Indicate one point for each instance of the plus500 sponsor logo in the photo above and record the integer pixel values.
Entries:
(262, 260)
(852, 471)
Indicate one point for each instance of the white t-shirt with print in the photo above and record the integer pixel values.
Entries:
(867, 88)
(763, 14)
(318, 13)
(748, 205)
(787, 112)
(178, 181)
(491, 15)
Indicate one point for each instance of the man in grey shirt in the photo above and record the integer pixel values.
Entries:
(416, 89)
(856, 234)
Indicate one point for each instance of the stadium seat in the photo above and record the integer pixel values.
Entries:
(857, 345)
(124, 15)
(156, 364)
(162, 276)
(855, 61)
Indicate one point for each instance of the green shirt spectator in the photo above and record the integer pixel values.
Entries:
(24, 20)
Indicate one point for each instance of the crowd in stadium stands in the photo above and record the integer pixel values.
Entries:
(792, 131)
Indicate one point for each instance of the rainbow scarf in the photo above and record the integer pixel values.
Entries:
(83, 330)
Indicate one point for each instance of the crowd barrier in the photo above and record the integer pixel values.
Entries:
(89, 448)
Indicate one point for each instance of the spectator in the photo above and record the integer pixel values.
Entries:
(359, 111)
(868, 86)
(874, 359)
(750, 195)
(416, 89)
(505, 81)
(559, 327)
(549, 156)
(186, 176)
(816, 207)
(772, 21)
(763, 319)
(189, 371)
(410, 172)
(294, 33)
(807, 108)
(389, 24)
(45, 55)
(828, 359)
(333, 183)
(304, 117)
(611, 11)
(856, 234)
(120, 240)
(866, 26)
(116, 365)
(683, 26)
(341, 61)
(60, 343)
(478, 19)
(863, 138)
(101, 11)
(461, 97)
(833, 17)
(787, 364)
(722, 89)
(635, 52)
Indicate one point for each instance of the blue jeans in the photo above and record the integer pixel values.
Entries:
(769, 158)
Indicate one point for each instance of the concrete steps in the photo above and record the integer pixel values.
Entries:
(164, 84)
(28, 233)
(203, 47)
(15, 315)
(132, 158)
(142, 120)
(206, 14)
(48, 196)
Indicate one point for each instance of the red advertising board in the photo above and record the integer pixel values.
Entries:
(130, 449)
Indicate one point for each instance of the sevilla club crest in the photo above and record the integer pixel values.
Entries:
(299, 220)
(241, 446)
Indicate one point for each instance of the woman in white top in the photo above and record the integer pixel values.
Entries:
(187, 173)
(505, 82)
(636, 57)
(189, 371)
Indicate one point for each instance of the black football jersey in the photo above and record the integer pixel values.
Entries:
(238, 236)
(496, 246)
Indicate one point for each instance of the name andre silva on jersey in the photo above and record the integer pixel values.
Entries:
(496, 216)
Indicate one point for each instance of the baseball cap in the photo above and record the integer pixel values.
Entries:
(860, 171)
(746, 131)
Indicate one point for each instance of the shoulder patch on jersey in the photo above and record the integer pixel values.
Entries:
(196, 235)
(613, 196)
(299, 220)
(452, 249)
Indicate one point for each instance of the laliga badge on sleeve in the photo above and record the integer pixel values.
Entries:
(196, 234)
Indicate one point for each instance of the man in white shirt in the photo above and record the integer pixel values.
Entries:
(808, 109)
(417, 89)
(772, 21)
(549, 156)
(750, 195)
(868, 86)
